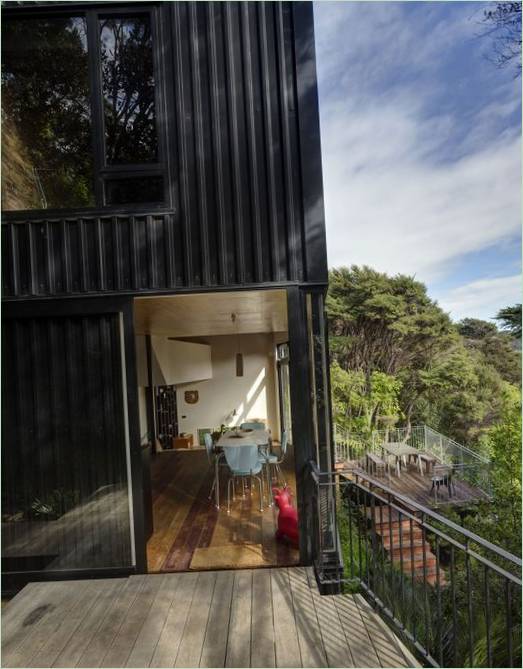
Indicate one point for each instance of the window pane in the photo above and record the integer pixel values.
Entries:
(134, 190)
(46, 128)
(128, 90)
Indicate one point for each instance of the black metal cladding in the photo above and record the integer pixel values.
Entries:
(244, 161)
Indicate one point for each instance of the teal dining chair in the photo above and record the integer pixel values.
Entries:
(255, 425)
(272, 460)
(244, 463)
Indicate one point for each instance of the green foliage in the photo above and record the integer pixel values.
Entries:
(358, 402)
(510, 318)
(448, 376)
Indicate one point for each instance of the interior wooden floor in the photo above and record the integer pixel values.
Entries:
(191, 534)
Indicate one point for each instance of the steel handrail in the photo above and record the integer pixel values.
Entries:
(426, 511)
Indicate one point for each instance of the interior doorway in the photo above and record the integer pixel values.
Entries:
(216, 363)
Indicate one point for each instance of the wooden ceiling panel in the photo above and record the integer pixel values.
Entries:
(206, 314)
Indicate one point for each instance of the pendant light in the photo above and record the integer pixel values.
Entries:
(239, 354)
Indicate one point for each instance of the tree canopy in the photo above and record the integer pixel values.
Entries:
(395, 352)
(510, 318)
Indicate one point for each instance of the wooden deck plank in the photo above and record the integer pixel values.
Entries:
(309, 637)
(145, 644)
(356, 634)
(269, 617)
(85, 595)
(122, 644)
(171, 634)
(239, 641)
(336, 647)
(110, 623)
(286, 643)
(262, 626)
(418, 487)
(78, 642)
(384, 641)
(36, 622)
(191, 645)
(215, 642)
(17, 606)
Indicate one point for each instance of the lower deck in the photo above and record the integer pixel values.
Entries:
(246, 618)
(418, 487)
(191, 534)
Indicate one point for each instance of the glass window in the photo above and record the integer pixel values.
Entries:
(46, 120)
(128, 90)
(134, 190)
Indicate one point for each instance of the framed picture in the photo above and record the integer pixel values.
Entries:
(191, 396)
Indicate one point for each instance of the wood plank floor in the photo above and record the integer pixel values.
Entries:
(190, 533)
(246, 618)
(418, 487)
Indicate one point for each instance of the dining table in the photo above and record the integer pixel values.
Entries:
(401, 451)
(238, 438)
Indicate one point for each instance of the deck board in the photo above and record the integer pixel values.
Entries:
(418, 487)
(245, 618)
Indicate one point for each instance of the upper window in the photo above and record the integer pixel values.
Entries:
(47, 157)
(79, 121)
(128, 90)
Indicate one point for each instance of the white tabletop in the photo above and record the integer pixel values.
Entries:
(258, 437)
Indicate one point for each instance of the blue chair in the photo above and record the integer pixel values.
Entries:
(244, 462)
(253, 426)
(272, 460)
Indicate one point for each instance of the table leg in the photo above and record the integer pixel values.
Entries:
(420, 465)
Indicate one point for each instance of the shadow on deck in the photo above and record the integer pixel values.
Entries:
(245, 618)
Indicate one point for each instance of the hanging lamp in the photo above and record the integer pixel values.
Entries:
(239, 354)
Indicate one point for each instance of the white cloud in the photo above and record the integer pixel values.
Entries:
(483, 298)
(410, 186)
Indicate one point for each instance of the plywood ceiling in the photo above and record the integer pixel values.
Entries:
(206, 314)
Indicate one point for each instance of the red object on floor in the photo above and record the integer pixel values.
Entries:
(287, 516)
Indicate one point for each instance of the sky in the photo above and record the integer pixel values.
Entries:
(421, 145)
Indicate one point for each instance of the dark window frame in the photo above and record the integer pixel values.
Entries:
(92, 13)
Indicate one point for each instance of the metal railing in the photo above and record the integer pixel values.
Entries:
(455, 597)
(467, 465)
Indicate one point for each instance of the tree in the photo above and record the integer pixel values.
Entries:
(357, 407)
(388, 336)
(503, 24)
(510, 318)
(497, 348)
(386, 324)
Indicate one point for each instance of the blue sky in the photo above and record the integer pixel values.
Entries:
(421, 138)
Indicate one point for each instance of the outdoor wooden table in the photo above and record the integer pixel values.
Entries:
(238, 438)
(399, 451)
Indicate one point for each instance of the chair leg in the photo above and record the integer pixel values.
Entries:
(261, 493)
(280, 474)
(229, 494)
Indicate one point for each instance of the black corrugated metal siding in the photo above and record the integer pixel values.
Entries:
(241, 106)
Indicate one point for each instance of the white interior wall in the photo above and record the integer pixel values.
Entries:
(254, 395)
(251, 396)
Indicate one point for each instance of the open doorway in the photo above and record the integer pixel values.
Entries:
(209, 364)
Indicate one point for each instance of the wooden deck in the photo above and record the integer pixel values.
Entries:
(248, 618)
(418, 487)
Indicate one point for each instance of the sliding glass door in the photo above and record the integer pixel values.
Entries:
(66, 502)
